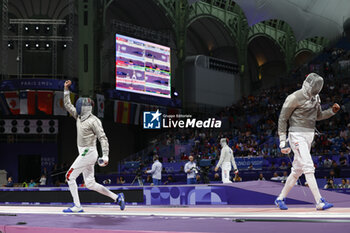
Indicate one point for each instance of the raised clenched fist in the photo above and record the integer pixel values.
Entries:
(335, 108)
(67, 84)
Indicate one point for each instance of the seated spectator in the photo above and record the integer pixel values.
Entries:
(237, 178)
(169, 180)
(251, 167)
(330, 184)
(107, 181)
(342, 160)
(261, 177)
(217, 177)
(273, 166)
(344, 184)
(172, 159)
(283, 166)
(284, 177)
(82, 185)
(327, 163)
(31, 184)
(9, 182)
(25, 184)
(320, 162)
(122, 180)
(275, 177)
(42, 181)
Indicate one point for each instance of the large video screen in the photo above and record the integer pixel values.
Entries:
(142, 67)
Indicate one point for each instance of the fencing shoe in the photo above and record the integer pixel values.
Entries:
(281, 204)
(121, 201)
(74, 209)
(323, 204)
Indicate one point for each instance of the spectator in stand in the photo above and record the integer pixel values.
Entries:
(330, 184)
(320, 162)
(172, 159)
(25, 184)
(169, 180)
(251, 167)
(217, 177)
(42, 181)
(273, 166)
(9, 182)
(283, 166)
(190, 170)
(261, 177)
(342, 160)
(122, 180)
(237, 178)
(276, 177)
(184, 156)
(31, 184)
(327, 163)
(284, 177)
(343, 184)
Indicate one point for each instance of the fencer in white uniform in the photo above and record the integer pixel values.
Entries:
(302, 109)
(226, 161)
(89, 128)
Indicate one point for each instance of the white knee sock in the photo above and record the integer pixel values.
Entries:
(103, 190)
(311, 181)
(290, 182)
(73, 188)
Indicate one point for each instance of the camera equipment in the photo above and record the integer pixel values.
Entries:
(135, 165)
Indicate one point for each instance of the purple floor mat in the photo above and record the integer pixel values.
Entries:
(95, 223)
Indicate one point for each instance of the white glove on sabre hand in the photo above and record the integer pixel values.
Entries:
(103, 161)
(284, 146)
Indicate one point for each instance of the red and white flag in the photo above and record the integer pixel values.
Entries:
(58, 104)
(27, 102)
(45, 99)
(100, 105)
(12, 100)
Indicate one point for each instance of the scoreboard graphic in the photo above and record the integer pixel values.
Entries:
(142, 67)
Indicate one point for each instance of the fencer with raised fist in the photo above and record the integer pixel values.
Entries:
(89, 128)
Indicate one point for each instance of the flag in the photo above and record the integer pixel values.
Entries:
(100, 105)
(4, 109)
(58, 106)
(12, 100)
(27, 102)
(118, 111)
(137, 114)
(126, 113)
(132, 113)
(45, 99)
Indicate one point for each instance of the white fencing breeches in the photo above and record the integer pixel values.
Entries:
(85, 163)
(225, 172)
(300, 142)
